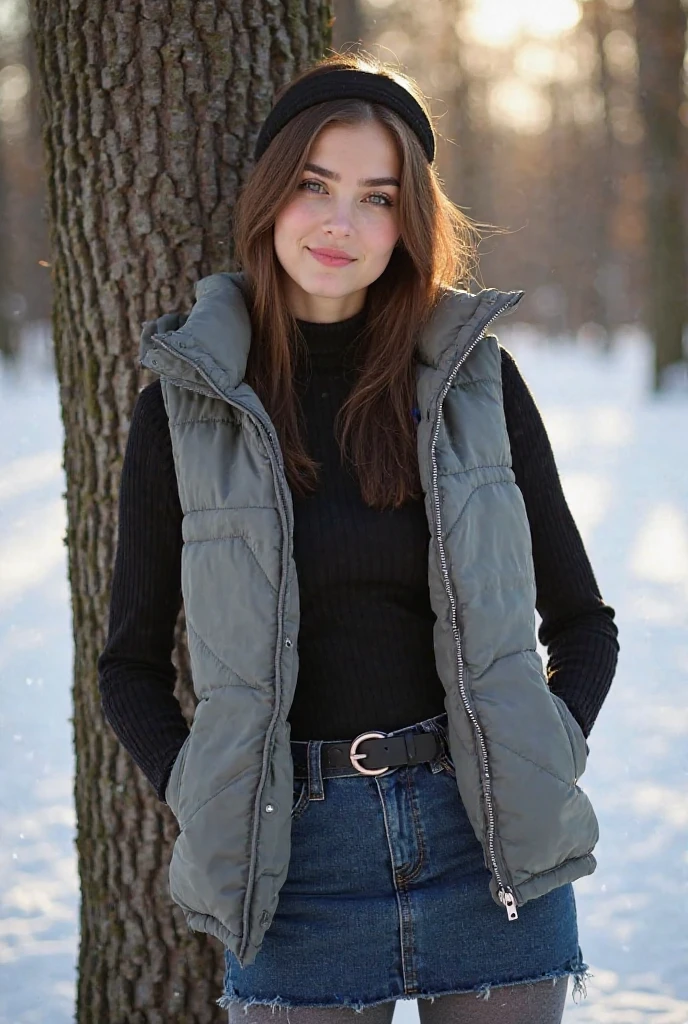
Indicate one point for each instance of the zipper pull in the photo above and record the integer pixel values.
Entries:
(507, 898)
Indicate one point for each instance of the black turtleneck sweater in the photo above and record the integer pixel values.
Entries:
(366, 657)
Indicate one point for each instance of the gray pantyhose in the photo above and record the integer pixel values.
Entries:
(542, 1002)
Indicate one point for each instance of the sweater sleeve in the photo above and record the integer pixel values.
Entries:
(577, 627)
(135, 671)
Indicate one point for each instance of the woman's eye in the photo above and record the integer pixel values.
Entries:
(304, 185)
(386, 201)
(376, 199)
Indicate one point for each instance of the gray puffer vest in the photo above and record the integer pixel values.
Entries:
(517, 750)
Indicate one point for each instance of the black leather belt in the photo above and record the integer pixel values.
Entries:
(372, 753)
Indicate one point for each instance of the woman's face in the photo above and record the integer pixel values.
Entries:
(346, 203)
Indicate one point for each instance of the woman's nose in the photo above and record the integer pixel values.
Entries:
(339, 218)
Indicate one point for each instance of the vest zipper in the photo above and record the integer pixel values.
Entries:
(265, 431)
(505, 892)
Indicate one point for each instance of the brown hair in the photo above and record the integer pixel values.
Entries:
(437, 249)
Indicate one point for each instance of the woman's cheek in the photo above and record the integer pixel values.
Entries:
(292, 219)
(382, 230)
(383, 244)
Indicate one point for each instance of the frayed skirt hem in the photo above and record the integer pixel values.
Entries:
(579, 971)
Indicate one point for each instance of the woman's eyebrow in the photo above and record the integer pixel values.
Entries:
(366, 182)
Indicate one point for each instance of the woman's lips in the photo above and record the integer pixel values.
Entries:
(330, 261)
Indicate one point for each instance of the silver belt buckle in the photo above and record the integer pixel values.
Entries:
(355, 758)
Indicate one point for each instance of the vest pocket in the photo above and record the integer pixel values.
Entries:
(579, 748)
(174, 782)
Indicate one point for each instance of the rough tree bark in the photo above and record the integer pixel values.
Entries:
(150, 111)
(660, 33)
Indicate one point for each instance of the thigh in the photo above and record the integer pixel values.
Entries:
(257, 1014)
(508, 1004)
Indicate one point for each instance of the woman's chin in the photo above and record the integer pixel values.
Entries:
(327, 289)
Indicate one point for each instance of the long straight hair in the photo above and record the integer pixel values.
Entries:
(437, 249)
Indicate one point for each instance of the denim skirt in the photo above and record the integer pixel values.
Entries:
(387, 897)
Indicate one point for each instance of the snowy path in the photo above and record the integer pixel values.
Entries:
(621, 456)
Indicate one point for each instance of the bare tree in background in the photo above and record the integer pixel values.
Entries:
(660, 33)
(5, 331)
(35, 280)
(7, 334)
(24, 282)
(466, 159)
(597, 13)
(150, 116)
(349, 25)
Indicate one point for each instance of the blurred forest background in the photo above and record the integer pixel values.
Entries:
(562, 121)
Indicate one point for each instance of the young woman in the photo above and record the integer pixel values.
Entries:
(347, 480)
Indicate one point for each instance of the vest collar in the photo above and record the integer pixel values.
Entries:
(217, 333)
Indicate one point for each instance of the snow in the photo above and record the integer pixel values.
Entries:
(38, 891)
(622, 458)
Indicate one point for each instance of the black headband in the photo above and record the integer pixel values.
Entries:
(347, 84)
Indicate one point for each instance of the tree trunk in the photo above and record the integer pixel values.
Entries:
(660, 31)
(150, 113)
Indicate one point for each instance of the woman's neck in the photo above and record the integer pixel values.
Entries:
(322, 309)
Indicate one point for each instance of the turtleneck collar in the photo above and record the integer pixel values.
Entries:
(332, 345)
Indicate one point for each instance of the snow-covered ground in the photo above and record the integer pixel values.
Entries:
(622, 456)
(38, 879)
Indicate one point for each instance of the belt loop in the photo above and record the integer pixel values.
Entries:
(316, 789)
(433, 726)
